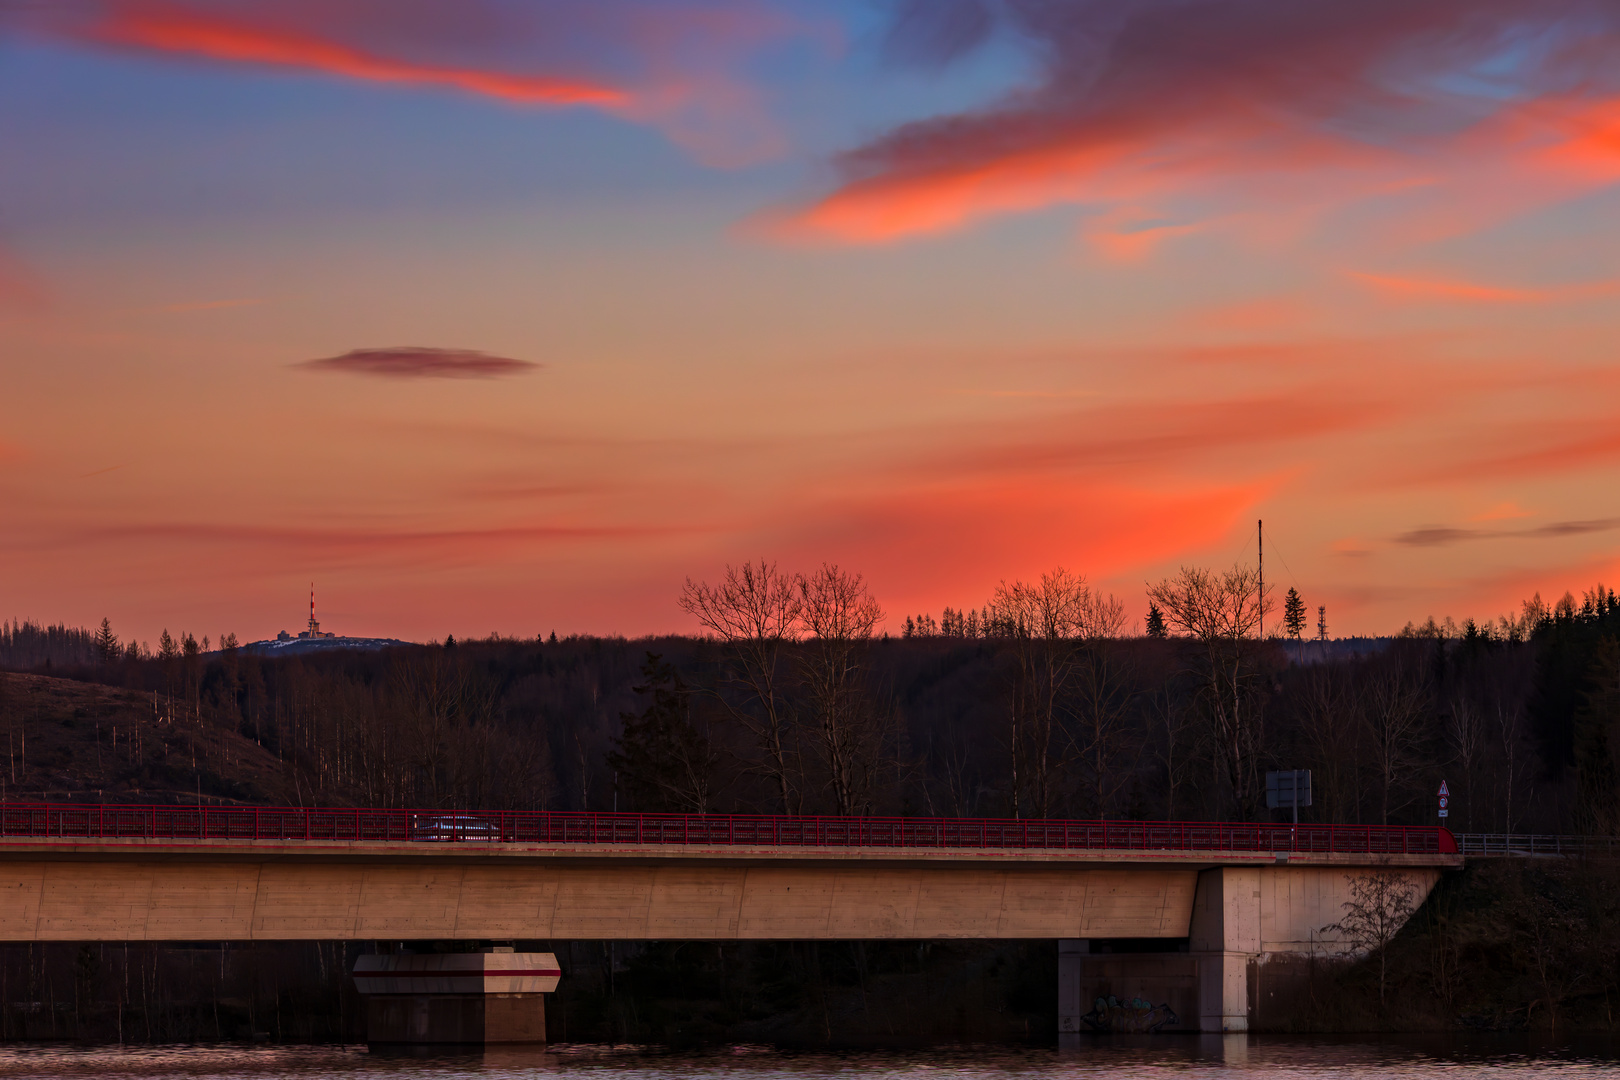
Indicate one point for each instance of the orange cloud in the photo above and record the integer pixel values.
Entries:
(1590, 138)
(1350, 547)
(922, 545)
(175, 29)
(1127, 235)
(1506, 511)
(359, 545)
(1547, 452)
(1149, 99)
(1156, 434)
(1470, 292)
(886, 207)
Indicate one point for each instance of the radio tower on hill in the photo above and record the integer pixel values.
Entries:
(314, 630)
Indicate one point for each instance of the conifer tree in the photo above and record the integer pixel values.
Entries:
(1155, 622)
(1293, 614)
(664, 763)
(106, 643)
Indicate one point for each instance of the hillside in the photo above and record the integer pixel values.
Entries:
(67, 740)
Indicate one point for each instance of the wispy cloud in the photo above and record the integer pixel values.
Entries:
(1442, 536)
(176, 28)
(413, 362)
(677, 65)
(1166, 433)
(1533, 451)
(1406, 288)
(1506, 511)
(1146, 96)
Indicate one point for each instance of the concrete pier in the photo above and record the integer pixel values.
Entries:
(1252, 936)
(497, 996)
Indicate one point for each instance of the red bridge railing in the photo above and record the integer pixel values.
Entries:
(68, 822)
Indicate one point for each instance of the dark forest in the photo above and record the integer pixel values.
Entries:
(1038, 707)
(1038, 704)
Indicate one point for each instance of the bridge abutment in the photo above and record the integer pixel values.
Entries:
(1251, 940)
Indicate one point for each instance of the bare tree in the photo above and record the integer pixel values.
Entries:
(1102, 735)
(1044, 622)
(755, 612)
(1510, 731)
(1223, 613)
(840, 613)
(1465, 731)
(1176, 742)
(1395, 701)
(1329, 729)
(1380, 903)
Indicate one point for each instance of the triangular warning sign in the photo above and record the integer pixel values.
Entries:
(1443, 789)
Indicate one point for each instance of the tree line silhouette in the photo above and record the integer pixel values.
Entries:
(1040, 702)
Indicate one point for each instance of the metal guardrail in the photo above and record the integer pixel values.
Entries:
(1492, 845)
(56, 821)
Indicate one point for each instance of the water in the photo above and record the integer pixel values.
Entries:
(1172, 1058)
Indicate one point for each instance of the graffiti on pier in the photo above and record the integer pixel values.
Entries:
(1136, 1015)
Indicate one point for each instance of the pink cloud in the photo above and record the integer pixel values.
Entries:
(1404, 288)
(167, 27)
(676, 66)
(1146, 97)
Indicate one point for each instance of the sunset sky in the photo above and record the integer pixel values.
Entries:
(509, 315)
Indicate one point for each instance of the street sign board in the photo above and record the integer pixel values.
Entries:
(1289, 787)
(1444, 791)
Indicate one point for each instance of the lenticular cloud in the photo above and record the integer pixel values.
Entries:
(415, 362)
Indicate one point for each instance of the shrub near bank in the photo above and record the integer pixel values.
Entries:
(1504, 945)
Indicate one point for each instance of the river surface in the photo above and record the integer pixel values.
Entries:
(1172, 1058)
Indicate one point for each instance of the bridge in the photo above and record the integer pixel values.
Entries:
(1221, 900)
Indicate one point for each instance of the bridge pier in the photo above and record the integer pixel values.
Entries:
(495, 996)
(1224, 940)
(1253, 934)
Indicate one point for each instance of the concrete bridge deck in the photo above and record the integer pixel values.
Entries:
(96, 887)
(1236, 898)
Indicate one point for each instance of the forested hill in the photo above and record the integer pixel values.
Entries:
(1523, 731)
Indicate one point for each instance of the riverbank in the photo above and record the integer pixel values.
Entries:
(1504, 945)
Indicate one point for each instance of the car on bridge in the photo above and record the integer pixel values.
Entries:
(448, 827)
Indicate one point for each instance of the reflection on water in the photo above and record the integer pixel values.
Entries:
(1211, 1057)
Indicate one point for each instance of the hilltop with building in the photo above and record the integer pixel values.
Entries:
(314, 639)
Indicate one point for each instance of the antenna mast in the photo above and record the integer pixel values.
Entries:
(1260, 542)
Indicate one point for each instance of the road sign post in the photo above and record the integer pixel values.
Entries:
(1445, 800)
(1288, 787)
